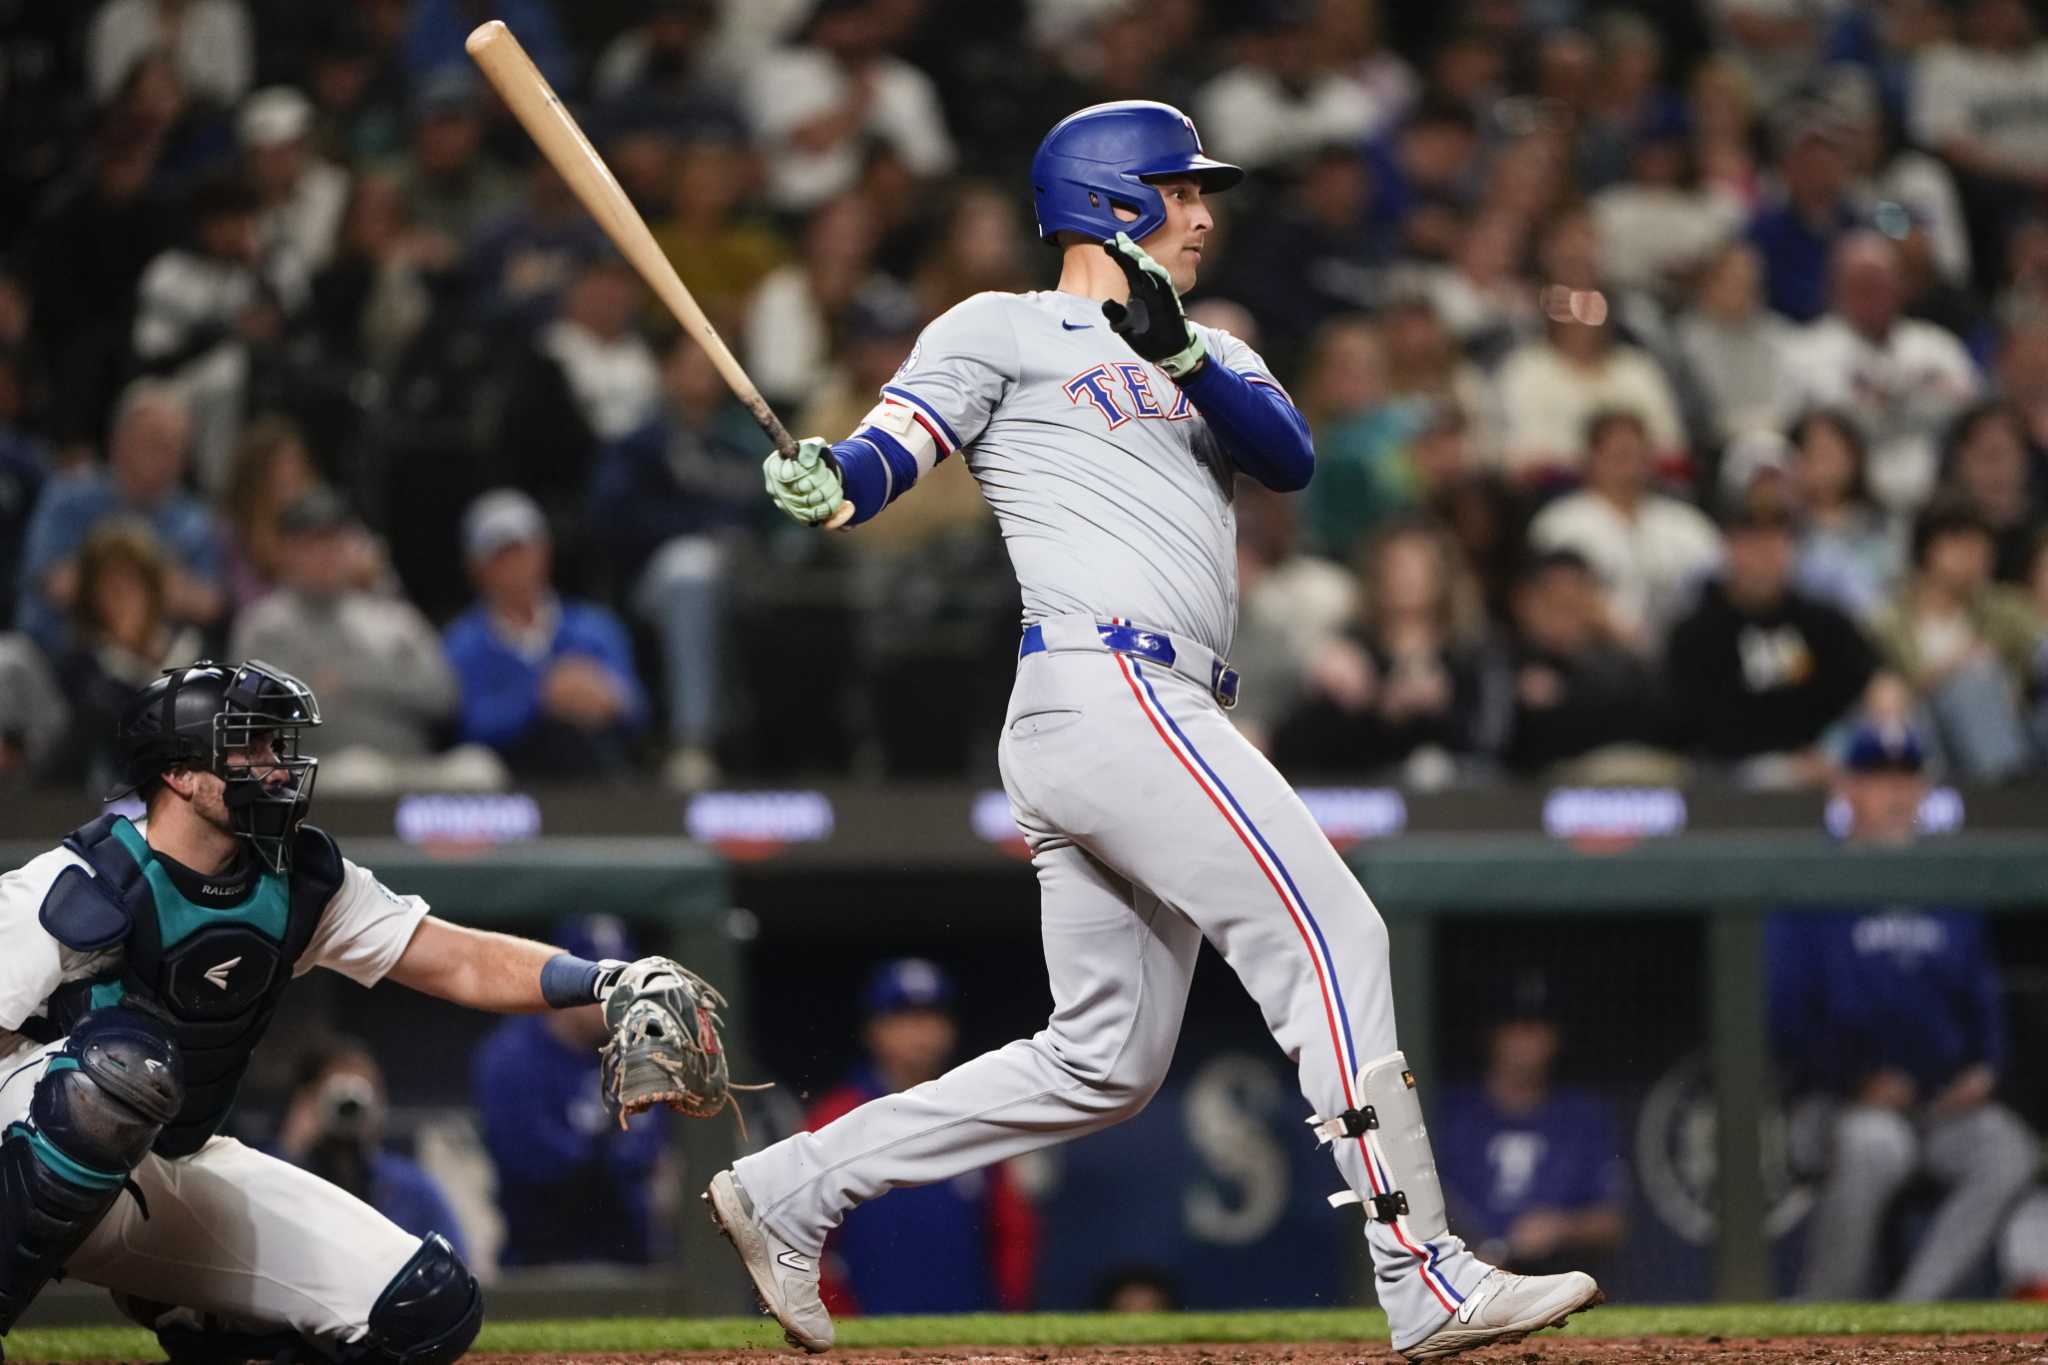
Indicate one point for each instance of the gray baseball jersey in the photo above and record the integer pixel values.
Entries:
(1112, 494)
(1153, 824)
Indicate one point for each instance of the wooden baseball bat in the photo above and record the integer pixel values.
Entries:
(548, 122)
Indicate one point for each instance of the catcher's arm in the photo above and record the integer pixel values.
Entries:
(479, 969)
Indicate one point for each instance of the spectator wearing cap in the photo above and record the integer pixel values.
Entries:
(976, 1236)
(548, 682)
(1758, 671)
(207, 313)
(1281, 98)
(300, 197)
(1532, 1170)
(816, 107)
(449, 182)
(672, 495)
(1814, 210)
(142, 479)
(1582, 695)
(1903, 378)
(209, 40)
(1964, 644)
(386, 688)
(573, 1185)
(1889, 1017)
(1734, 347)
(1651, 551)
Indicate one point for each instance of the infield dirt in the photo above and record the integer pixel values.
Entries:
(1963, 1349)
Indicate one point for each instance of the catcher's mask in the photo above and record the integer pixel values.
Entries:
(240, 722)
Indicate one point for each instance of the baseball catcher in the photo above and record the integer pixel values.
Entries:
(141, 962)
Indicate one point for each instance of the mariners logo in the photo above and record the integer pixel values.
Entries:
(1675, 1156)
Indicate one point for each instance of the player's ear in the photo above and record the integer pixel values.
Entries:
(181, 781)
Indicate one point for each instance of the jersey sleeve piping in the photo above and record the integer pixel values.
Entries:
(927, 417)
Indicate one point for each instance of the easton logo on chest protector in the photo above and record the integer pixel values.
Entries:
(215, 972)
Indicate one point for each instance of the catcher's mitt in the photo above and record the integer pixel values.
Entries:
(665, 1046)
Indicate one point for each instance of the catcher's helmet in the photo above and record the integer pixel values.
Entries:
(1097, 160)
(200, 715)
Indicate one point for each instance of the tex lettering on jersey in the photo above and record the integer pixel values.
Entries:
(1122, 390)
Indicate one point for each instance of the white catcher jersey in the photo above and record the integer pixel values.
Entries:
(1112, 494)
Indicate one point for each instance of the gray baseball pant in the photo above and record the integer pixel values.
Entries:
(1984, 1157)
(1153, 825)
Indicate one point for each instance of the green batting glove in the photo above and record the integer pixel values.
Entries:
(1153, 322)
(807, 487)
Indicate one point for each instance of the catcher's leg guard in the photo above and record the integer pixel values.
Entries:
(1400, 1167)
(101, 1102)
(428, 1315)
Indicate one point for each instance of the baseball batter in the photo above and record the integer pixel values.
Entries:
(140, 964)
(1106, 432)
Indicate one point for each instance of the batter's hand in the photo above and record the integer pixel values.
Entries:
(1153, 322)
(808, 487)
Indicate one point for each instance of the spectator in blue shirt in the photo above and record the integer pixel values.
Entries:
(334, 1127)
(1532, 1170)
(572, 1185)
(547, 682)
(975, 1237)
(1893, 1013)
(1796, 236)
(143, 478)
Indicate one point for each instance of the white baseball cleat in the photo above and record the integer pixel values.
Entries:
(1505, 1307)
(785, 1279)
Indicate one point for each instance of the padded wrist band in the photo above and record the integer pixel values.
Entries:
(567, 981)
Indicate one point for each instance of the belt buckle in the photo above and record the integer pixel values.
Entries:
(1223, 682)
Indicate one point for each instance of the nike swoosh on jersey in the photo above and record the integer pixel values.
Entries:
(1075, 326)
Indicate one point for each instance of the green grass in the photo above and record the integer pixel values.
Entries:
(1084, 1329)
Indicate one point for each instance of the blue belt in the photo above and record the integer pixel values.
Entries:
(1149, 644)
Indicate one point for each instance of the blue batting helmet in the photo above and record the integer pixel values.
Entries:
(1098, 160)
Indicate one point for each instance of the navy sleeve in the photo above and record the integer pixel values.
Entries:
(1983, 1024)
(1261, 430)
(875, 470)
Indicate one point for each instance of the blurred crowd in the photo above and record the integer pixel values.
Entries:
(1679, 375)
